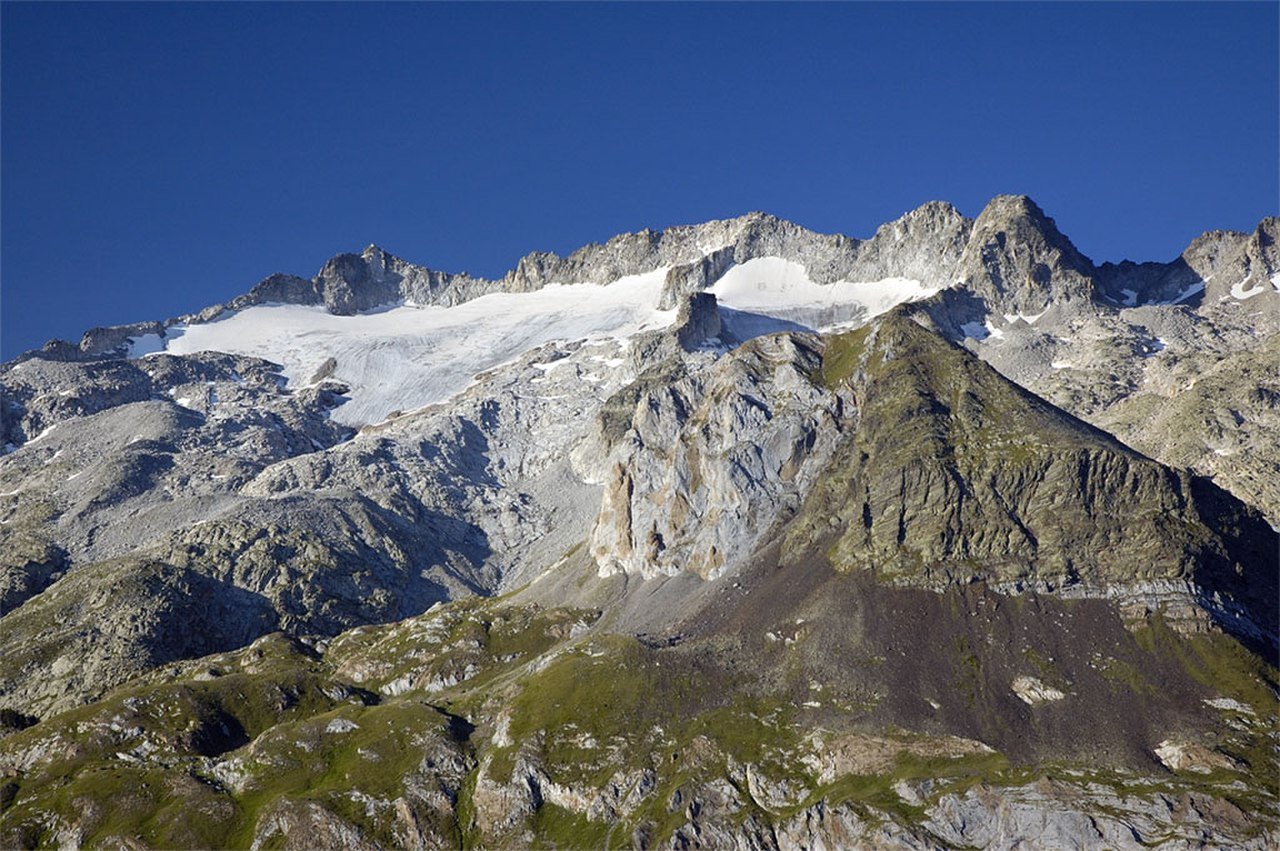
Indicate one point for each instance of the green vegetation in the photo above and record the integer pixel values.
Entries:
(556, 827)
(844, 354)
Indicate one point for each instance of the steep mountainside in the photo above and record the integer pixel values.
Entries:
(955, 474)
(732, 534)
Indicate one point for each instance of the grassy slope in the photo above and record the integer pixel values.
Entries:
(600, 707)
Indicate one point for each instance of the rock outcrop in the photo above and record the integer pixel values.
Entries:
(706, 464)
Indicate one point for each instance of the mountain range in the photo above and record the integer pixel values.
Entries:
(725, 535)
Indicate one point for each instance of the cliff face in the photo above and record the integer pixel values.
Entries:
(704, 465)
(1019, 262)
(899, 453)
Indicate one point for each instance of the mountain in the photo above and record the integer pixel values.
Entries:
(733, 534)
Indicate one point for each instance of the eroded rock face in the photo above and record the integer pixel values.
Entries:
(1221, 420)
(1057, 814)
(1107, 343)
(933, 471)
(710, 463)
(1033, 691)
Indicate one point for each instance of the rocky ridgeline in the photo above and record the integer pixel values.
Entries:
(1011, 256)
(667, 453)
(916, 460)
(954, 474)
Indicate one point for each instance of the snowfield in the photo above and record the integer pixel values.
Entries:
(404, 357)
(783, 290)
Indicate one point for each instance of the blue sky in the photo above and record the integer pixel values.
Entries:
(160, 158)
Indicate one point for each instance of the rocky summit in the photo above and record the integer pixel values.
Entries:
(731, 535)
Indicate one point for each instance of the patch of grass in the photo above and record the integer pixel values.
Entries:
(112, 802)
(1122, 674)
(843, 356)
(556, 827)
(375, 758)
(1217, 661)
(1229, 670)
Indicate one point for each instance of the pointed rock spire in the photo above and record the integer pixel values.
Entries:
(1020, 262)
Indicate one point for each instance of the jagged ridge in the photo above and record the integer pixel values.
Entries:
(1012, 255)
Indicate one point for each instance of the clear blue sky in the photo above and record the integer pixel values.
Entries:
(160, 158)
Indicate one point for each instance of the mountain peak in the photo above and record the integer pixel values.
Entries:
(1018, 259)
(932, 209)
(1009, 208)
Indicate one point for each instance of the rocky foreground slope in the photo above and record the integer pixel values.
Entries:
(732, 535)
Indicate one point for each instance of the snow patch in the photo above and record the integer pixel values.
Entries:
(405, 357)
(1062, 364)
(981, 331)
(1130, 298)
(1241, 293)
(782, 289)
(1197, 287)
(147, 344)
